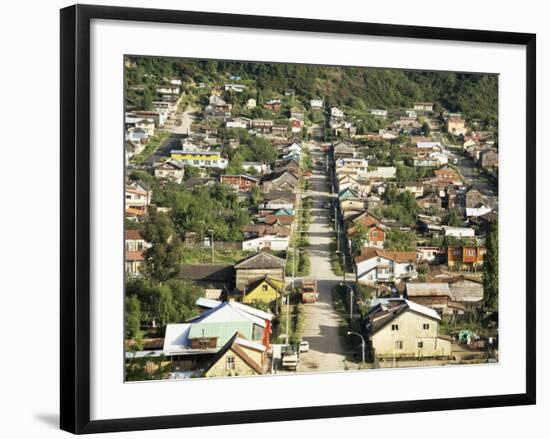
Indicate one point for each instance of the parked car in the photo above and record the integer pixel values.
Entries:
(304, 346)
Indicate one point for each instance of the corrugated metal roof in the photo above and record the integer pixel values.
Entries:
(427, 289)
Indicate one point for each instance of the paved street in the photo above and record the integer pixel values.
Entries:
(322, 321)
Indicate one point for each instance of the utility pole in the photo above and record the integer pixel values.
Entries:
(363, 344)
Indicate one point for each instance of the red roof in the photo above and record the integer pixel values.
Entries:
(133, 235)
(135, 256)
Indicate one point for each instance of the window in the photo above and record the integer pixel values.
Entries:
(195, 162)
(395, 327)
(471, 252)
(420, 344)
(230, 362)
(264, 287)
(425, 326)
(398, 344)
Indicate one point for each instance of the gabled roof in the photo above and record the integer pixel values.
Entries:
(261, 260)
(207, 272)
(235, 310)
(427, 289)
(370, 252)
(234, 345)
(254, 284)
(133, 235)
(387, 310)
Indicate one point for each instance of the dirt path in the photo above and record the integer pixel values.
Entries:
(322, 321)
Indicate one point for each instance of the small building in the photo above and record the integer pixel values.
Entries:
(237, 88)
(200, 158)
(489, 158)
(273, 242)
(465, 257)
(264, 290)
(137, 199)
(456, 125)
(273, 104)
(430, 201)
(436, 296)
(336, 113)
(400, 328)
(257, 266)
(251, 103)
(170, 170)
(241, 182)
(374, 265)
(316, 104)
(423, 106)
(378, 112)
(238, 357)
(458, 232)
(135, 246)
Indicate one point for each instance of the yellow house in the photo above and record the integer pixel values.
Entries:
(239, 357)
(265, 290)
(399, 328)
(200, 158)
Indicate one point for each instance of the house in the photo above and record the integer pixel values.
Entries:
(169, 170)
(374, 235)
(277, 200)
(378, 112)
(239, 357)
(257, 266)
(263, 126)
(423, 106)
(133, 148)
(251, 231)
(474, 198)
(381, 172)
(400, 328)
(266, 242)
(264, 290)
(251, 103)
(465, 257)
(466, 290)
(279, 130)
(273, 104)
(168, 89)
(237, 88)
(284, 180)
(336, 113)
(209, 275)
(429, 201)
(135, 245)
(458, 232)
(137, 198)
(296, 125)
(193, 182)
(415, 188)
(200, 158)
(240, 183)
(436, 296)
(256, 167)
(343, 150)
(455, 124)
(489, 158)
(448, 176)
(316, 104)
(375, 265)
(427, 254)
(291, 165)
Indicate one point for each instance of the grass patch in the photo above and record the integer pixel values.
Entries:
(204, 256)
(155, 141)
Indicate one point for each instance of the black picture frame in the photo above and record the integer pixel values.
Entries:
(75, 217)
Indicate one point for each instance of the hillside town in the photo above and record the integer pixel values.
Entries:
(277, 231)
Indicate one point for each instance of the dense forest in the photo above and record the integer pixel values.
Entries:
(474, 95)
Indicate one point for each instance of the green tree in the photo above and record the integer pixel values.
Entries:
(490, 268)
(426, 129)
(453, 219)
(164, 255)
(133, 317)
(400, 240)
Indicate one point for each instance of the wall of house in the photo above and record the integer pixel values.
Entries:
(244, 277)
(241, 367)
(410, 332)
(259, 294)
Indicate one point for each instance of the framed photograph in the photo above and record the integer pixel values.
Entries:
(273, 218)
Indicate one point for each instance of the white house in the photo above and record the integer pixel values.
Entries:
(251, 103)
(170, 170)
(381, 172)
(271, 242)
(375, 265)
(336, 113)
(236, 124)
(458, 232)
(378, 112)
(237, 88)
(259, 167)
(431, 145)
(316, 104)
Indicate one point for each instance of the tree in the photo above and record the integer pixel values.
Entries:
(490, 268)
(400, 240)
(163, 257)
(426, 128)
(133, 317)
(147, 103)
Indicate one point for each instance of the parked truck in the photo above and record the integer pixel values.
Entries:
(309, 291)
(290, 358)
